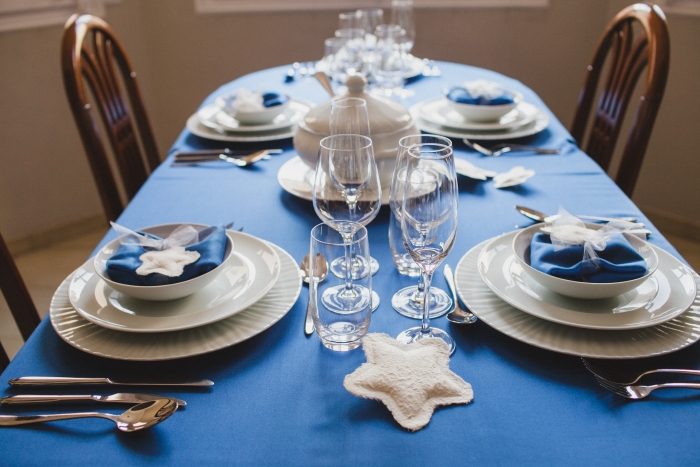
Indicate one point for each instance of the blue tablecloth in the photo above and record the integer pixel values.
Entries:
(279, 397)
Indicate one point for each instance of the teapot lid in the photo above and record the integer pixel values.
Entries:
(385, 115)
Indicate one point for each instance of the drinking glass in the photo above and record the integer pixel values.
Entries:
(369, 19)
(331, 47)
(350, 57)
(349, 20)
(429, 223)
(346, 188)
(341, 306)
(349, 117)
(409, 300)
(389, 62)
(402, 14)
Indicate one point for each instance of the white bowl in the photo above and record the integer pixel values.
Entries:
(485, 113)
(253, 117)
(575, 289)
(158, 292)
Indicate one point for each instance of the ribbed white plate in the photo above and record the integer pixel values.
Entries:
(96, 340)
(440, 112)
(664, 338)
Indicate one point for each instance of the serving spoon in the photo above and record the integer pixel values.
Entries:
(458, 315)
(137, 418)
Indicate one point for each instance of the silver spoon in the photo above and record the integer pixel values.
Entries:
(503, 148)
(458, 315)
(320, 265)
(138, 417)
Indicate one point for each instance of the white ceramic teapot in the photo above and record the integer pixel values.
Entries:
(388, 123)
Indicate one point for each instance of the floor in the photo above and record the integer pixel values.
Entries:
(65, 257)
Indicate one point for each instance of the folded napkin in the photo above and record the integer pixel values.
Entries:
(480, 92)
(571, 251)
(468, 169)
(514, 176)
(271, 99)
(131, 256)
(411, 380)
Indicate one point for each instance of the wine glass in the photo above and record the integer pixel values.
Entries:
(402, 14)
(350, 57)
(389, 61)
(409, 300)
(429, 223)
(349, 117)
(346, 188)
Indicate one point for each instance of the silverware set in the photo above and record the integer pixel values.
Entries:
(498, 149)
(148, 409)
(241, 158)
(624, 383)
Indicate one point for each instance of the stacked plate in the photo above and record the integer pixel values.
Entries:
(258, 284)
(438, 117)
(212, 122)
(661, 315)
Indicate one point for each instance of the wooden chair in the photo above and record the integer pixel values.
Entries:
(94, 60)
(18, 299)
(628, 58)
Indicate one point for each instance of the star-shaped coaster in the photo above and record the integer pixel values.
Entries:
(170, 262)
(411, 380)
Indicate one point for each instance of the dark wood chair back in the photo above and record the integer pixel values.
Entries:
(17, 297)
(628, 58)
(93, 59)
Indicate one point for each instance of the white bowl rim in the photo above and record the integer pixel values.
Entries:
(517, 99)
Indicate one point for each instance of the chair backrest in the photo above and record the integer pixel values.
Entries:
(628, 58)
(93, 59)
(17, 297)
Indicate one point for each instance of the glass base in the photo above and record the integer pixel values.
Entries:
(342, 337)
(409, 302)
(359, 269)
(412, 335)
(405, 265)
(375, 300)
(344, 301)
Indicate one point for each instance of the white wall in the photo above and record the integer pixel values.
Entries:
(181, 57)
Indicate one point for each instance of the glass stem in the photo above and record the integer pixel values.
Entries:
(348, 266)
(425, 322)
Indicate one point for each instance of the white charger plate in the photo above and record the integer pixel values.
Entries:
(665, 295)
(213, 116)
(246, 277)
(440, 112)
(97, 340)
(297, 178)
(663, 338)
(540, 122)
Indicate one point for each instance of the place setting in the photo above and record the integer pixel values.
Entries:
(585, 289)
(174, 290)
(246, 115)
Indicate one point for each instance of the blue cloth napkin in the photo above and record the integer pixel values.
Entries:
(462, 96)
(619, 261)
(271, 99)
(121, 267)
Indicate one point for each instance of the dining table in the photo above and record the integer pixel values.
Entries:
(279, 398)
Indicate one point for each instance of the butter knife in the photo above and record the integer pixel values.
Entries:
(122, 397)
(66, 381)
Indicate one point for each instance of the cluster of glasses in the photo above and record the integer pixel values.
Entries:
(365, 45)
(347, 196)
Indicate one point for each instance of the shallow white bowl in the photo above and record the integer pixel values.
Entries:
(253, 117)
(158, 292)
(575, 289)
(485, 113)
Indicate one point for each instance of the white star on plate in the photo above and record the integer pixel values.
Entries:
(411, 380)
(170, 262)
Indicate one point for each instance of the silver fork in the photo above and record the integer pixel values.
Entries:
(626, 378)
(503, 148)
(639, 391)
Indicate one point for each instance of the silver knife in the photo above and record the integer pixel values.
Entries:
(65, 381)
(121, 397)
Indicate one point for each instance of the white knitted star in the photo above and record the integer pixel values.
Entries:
(411, 380)
(170, 262)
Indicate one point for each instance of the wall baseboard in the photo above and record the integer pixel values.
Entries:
(669, 223)
(47, 237)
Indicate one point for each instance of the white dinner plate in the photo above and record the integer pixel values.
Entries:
(415, 67)
(297, 178)
(665, 295)
(97, 340)
(440, 112)
(663, 338)
(213, 117)
(540, 122)
(246, 277)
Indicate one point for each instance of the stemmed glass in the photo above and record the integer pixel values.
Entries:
(349, 116)
(429, 223)
(409, 300)
(402, 14)
(389, 62)
(346, 188)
